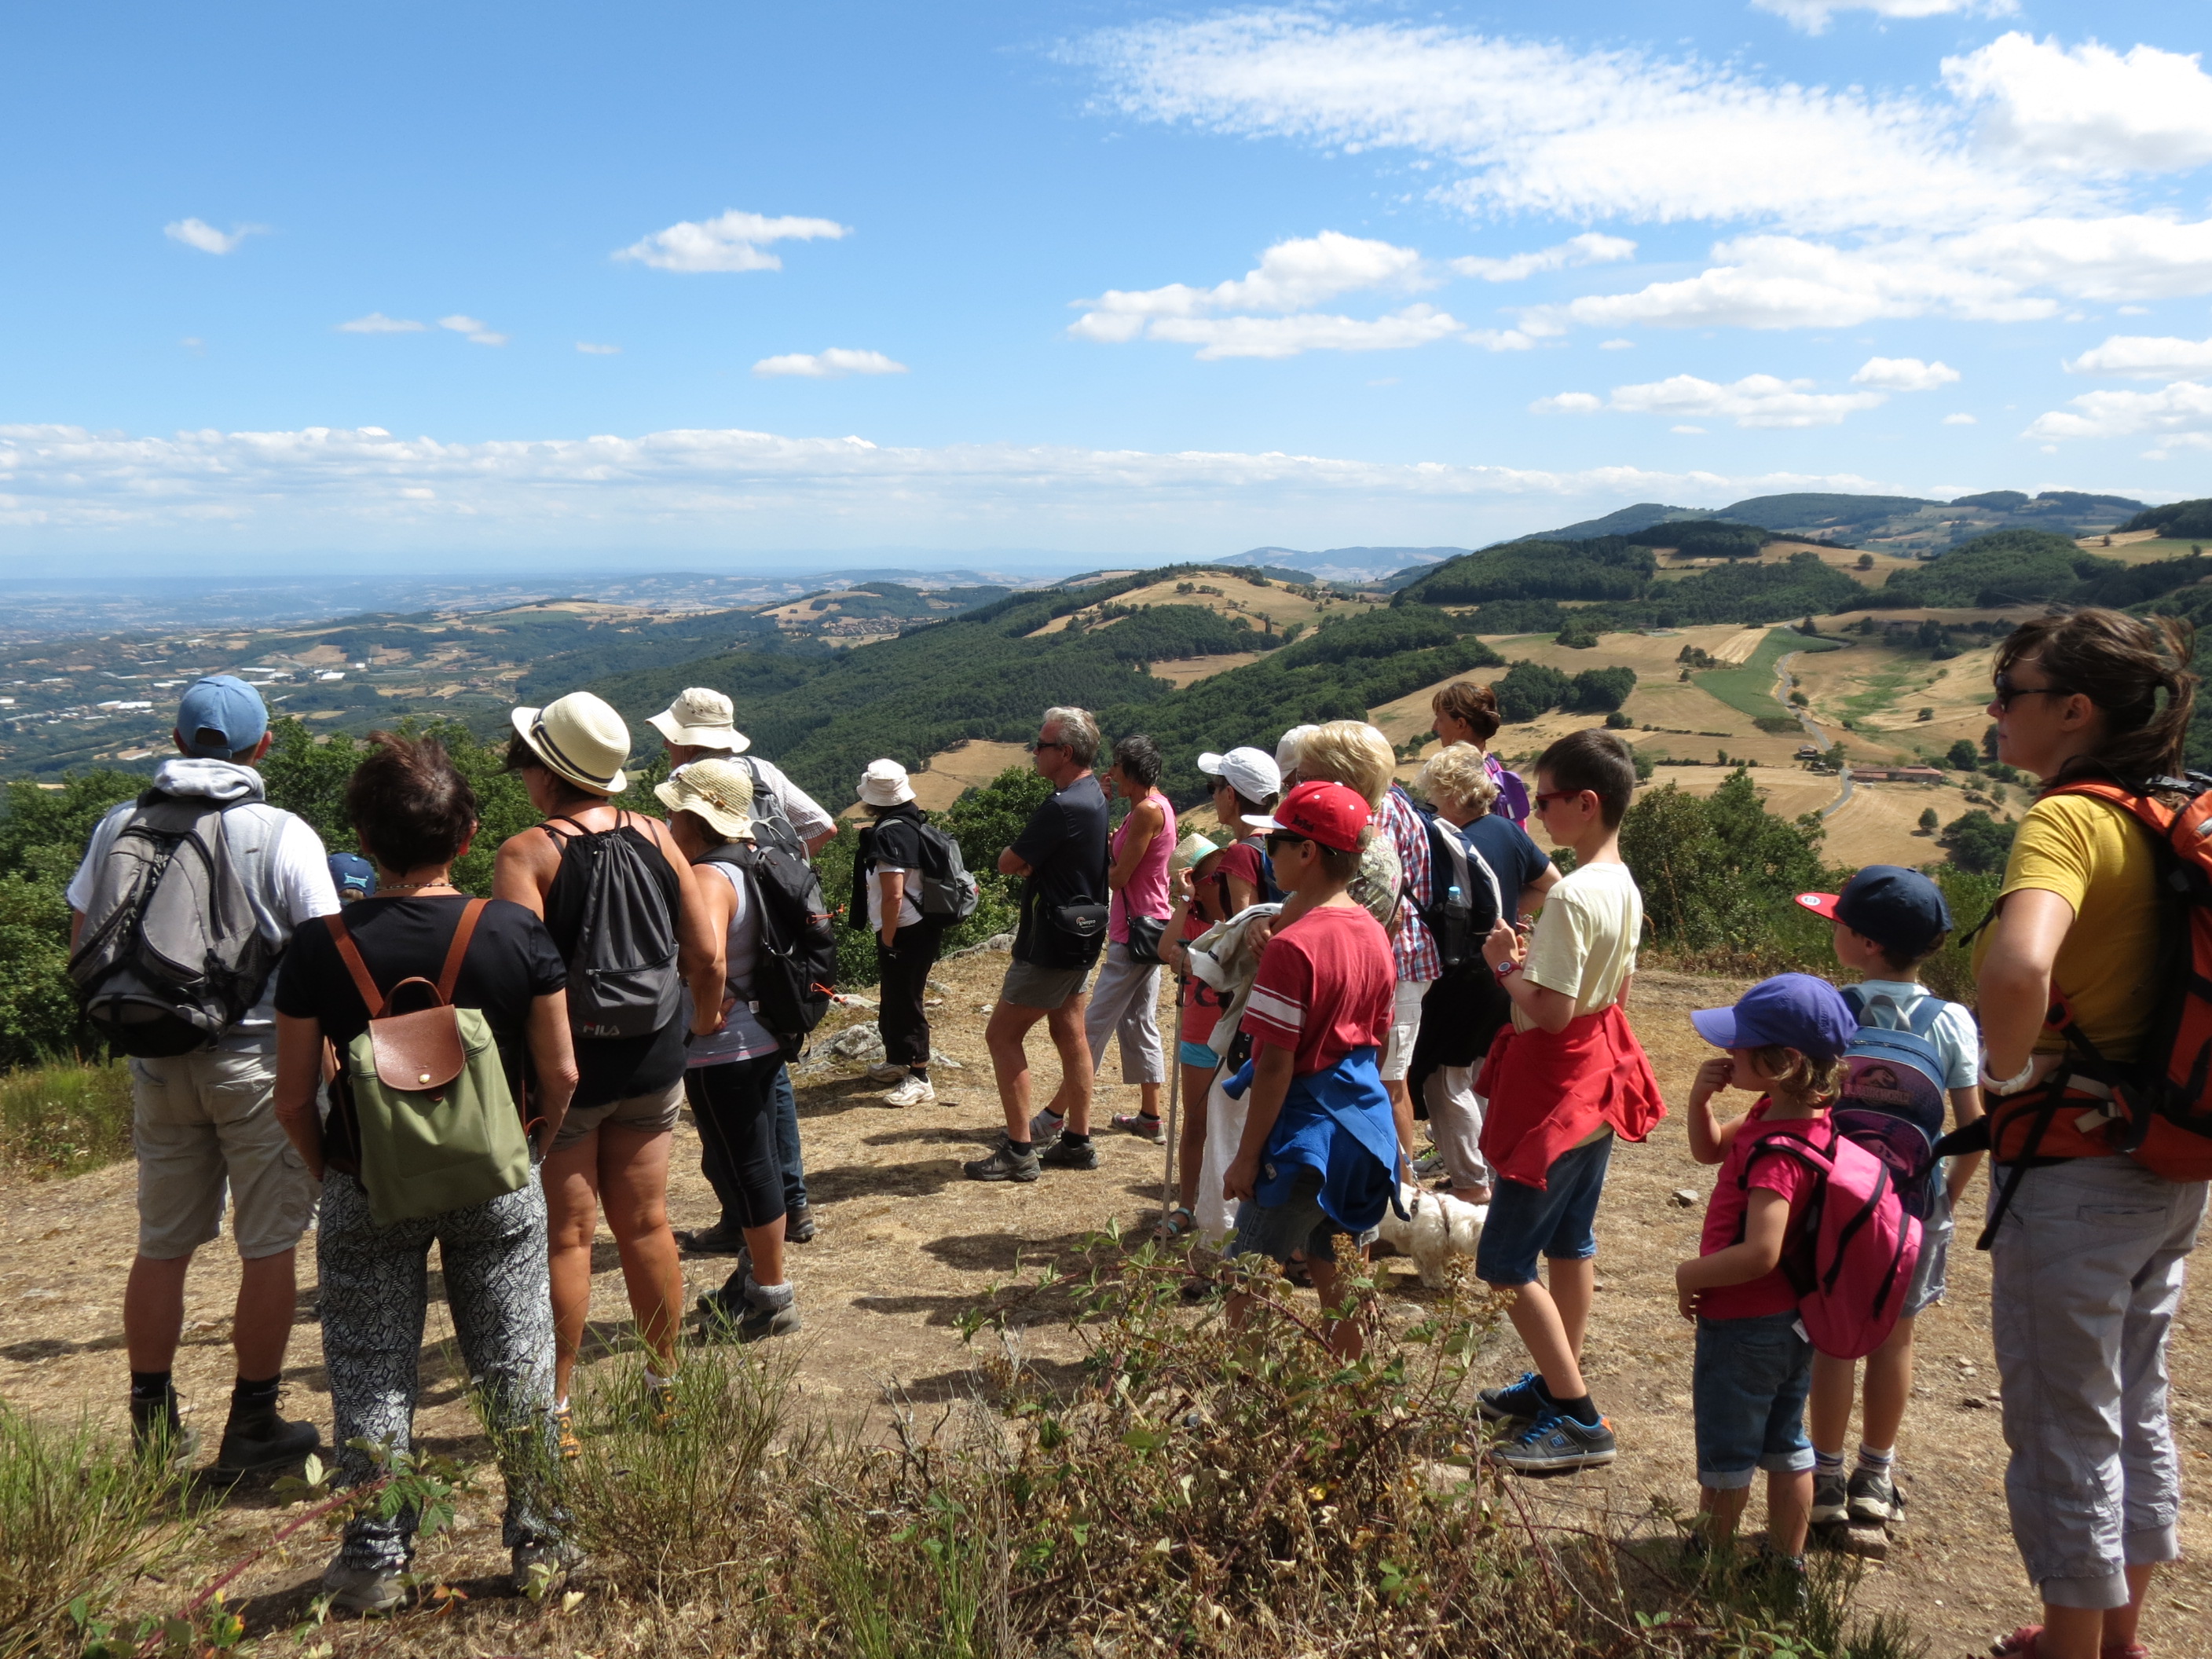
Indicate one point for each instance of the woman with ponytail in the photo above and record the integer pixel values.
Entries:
(2087, 1244)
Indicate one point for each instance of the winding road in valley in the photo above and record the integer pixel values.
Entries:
(1785, 683)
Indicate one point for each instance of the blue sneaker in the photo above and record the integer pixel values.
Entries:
(1553, 1444)
(1522, 1401)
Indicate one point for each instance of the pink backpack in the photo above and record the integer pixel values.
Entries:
(1851, 1257)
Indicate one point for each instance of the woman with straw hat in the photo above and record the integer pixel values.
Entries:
(730, 1072)
(624, 873)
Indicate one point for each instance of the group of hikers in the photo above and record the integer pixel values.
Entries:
(414, 1065)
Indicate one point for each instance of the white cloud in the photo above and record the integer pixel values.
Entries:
(829, 365)
(591, 350)
(1904, 374)
(1756, 400)
(732, 241)
(2144, 357)
(1310, 330)
(1689, 431)
(1960, 419)
(1616, 345)
(474, 328)
(1589, 249)
(197, 233)
(377, 323)
(2087, 108)
(2183, 406)
(1813, 15)
(1498, 339)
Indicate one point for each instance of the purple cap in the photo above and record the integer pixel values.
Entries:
(1790, 1011)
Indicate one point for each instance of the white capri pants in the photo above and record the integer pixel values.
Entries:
(1125, 997)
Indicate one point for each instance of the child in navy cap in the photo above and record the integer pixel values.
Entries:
(1889, 920)
(1785, 1039)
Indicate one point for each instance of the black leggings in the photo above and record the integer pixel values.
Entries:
(903, 977)
(735, 1105)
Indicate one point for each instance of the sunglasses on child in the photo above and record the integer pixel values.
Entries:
(1539, 802)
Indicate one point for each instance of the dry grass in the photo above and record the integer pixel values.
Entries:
(64, 1118)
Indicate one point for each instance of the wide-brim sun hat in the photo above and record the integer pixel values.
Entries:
(701, 718)
(886, 783)
(579, 738)
(718, 790)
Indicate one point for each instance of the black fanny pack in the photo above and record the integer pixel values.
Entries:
(1144, 933)
(1082, 922)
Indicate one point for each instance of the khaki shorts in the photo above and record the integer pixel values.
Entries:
(1405, 1029)
(1028, 986)
(648, 1114)
(205, 1122)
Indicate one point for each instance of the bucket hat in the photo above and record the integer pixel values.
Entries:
(719, 791)
(702, 718)
(579, 738)
(885, 784)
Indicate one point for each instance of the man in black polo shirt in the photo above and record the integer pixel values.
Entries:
(1061, 856)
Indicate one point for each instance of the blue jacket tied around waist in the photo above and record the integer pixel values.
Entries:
(1337, 1122)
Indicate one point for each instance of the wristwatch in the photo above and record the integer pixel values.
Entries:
(1507, 968)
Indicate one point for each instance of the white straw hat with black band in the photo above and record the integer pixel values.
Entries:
(581, 738)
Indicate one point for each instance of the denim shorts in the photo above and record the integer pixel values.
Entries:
(1558, 1220)
(1747, 1389)
(1929, 1273)
(1296, 1225)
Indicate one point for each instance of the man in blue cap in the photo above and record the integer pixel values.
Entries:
(201, 867)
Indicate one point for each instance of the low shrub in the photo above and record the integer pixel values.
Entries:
(65, 1117)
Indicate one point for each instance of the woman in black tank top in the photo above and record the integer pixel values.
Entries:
(613, 1150)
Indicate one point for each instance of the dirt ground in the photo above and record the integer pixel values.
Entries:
(906, 1244)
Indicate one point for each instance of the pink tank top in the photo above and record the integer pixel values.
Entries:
(1147, 889)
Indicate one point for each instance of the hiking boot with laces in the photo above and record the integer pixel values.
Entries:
(720, 1239)
(1430, 1160)
(915, 1091)
(1145, 1126)
(1045, 1127)
(1830, 1499)
(1873, 1499)
(1070, 1153)
(1005, 1165)
(158, 1433)
(1521, 1401)
(365, 1590)
(1556, 1443)
(256, 1439)
(748, 1310)
(799, 1225)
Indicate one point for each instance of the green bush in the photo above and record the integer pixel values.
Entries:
(1977, 842)
(62, 1119)
(1717, 874)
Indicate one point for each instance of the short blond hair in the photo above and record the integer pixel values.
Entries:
(1352, 753)
(1457, 774)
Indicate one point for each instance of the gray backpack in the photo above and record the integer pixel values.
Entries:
(948, 893)
(170, 954)
(773, 828)
(623, 981)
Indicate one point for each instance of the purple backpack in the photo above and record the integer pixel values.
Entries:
(1852, 1256)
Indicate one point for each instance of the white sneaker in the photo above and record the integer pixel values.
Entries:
(914, 1091)
(887, 1073)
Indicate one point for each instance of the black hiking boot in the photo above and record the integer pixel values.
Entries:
(158, 1433)
(256, 1439)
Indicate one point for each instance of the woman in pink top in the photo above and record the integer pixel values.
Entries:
(1125, 995)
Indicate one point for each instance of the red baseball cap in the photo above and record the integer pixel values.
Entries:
(1326, 812)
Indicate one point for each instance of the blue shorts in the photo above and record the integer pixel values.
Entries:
(1558, 1221)
(1198, 1054)
(1747, 1391)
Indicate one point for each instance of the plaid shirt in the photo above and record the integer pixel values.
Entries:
(1414, 947)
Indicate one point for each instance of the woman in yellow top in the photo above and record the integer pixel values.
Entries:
(2088, 1255)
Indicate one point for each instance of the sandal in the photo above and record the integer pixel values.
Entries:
(1145, 1126)
(2020, 1645)
(1177, 1222)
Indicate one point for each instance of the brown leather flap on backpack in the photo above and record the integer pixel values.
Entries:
(417, 1051)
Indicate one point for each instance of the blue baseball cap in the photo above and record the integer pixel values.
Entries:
(1790, 1011)
(222, 703)
(1899, 910)
(354, 876)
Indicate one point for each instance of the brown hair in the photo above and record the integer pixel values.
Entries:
(1597, 761)
(2121, 663)
(409, 802)
(521, 758)
(1806, 1079)
(1463, 700)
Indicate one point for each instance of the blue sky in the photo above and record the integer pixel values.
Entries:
(286, 283)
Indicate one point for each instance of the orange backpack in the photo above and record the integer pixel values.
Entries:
(2162, 1102)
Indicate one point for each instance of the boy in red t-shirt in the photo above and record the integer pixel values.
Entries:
(1320, 1149)
(1785, 1037)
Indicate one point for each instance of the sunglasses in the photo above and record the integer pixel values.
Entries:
(2006, 691)
(1539, 803)
(1278, 839)
(1046, 742)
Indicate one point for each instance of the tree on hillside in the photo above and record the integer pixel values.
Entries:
(1716, 872)
(1962, 757)
(1929, 819)
(1977, 842)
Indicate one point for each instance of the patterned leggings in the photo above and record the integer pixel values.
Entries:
(374, 1293)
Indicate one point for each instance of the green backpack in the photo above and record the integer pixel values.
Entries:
(439, 1126)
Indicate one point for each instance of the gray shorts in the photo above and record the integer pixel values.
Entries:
(1029, 986)
(2085, 1274)
(204, 1121)
(648, 1114)
(1929, 1273)
(1299, 1226)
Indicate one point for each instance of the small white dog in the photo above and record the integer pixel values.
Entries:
(1435, 1227)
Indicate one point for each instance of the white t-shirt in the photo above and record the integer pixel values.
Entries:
(804, 812)
(1953, 1035)
(290, 884)
(910, 912)
(742, 1035)
(1584, 946)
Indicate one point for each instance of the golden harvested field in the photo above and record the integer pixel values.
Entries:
(1844, 559)
(1189, 671)
(1236, 597)
(951, 771)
